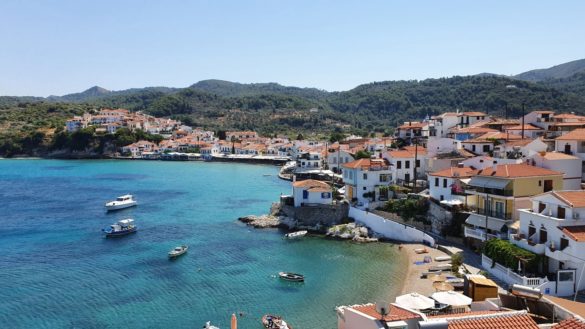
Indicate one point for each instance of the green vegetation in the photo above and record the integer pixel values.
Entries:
(456, 262)
(508, 254)
(408, 209)
(361, 154)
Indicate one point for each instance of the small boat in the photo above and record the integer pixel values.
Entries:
(178, 251)
(442, 258)
(296, 234)
(121, 202)
(274, 321)
(122, 227)
(291, 276)
(208, 325)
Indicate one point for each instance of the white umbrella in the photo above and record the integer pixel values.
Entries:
(451, 298)
(415, 301)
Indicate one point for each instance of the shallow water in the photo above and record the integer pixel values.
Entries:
(58, 271)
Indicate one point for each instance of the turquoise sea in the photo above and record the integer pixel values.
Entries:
(58, 271)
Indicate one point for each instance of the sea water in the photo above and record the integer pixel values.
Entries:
(58, 271)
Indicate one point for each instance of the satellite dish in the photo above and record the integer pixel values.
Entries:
(382, 307)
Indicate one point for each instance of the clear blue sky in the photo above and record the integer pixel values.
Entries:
(60, 47)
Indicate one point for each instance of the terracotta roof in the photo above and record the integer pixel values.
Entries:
(516, 321)
(477, 141)
(516, 170)
(568, 116)
(521, 142)
(543, 111)
(568, 124)
(414, 125)
(526, 127)
(474, 130)
(575, 199)
(573, 323)
(366, 163)
(396, 313)
(499, 135)
(576, 233)
(461, 315)
(474, 114)
(319, 189)
(557, 156)
(569, 305)
(311, 183)
(453, 172)
(577, 134)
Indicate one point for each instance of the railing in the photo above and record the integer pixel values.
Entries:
(508, 275)
(476, 189)
(473, 233)
(492, 213)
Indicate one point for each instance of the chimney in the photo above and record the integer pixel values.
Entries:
(410, 123)
(495, 166)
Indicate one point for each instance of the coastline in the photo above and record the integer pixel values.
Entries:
(413, 281)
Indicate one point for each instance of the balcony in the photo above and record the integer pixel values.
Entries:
(481, 235)
(527, 244)
(493, 213)
(492, 191)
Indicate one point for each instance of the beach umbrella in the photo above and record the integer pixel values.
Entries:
(415, 301)
(442, 286)
(451, 298)
(234, 321)
(437, 277)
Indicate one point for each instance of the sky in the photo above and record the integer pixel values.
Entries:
(67, 46)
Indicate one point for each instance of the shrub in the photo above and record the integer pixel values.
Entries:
(507, 254)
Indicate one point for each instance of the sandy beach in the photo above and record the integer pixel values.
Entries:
(413, 281)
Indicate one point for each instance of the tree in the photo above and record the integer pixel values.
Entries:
(300, 137)
(362, 155)
(336, 137)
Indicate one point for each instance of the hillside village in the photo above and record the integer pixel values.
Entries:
(517, 182)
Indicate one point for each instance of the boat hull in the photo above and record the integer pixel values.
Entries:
(293, 277)
(110, 234)
(178, 254)
(276, 320)
(113, 207)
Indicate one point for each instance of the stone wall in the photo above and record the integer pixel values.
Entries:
(439, 217)
(327, 215)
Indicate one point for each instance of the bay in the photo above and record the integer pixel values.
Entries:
(58, 271)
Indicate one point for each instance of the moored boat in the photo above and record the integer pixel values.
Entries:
(178, 251)
(296, 234)
(208, 325)
(122, 227)
(275, 322)
(295, 277)
(121, 202)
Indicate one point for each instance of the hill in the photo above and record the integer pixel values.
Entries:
(556, 72)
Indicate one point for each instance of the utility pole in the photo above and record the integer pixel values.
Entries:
(414, 166)
(522, 120)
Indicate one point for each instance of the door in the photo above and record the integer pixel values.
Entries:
(499, 209)
(567, 148)
(548, 185)
(541, 207)
(561, 212)
(407, 177)
(543, 235)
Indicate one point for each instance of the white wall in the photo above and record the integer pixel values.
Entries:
(442, 145)
(572, 168)
(390, 229)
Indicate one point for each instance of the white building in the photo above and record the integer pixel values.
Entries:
(555, 227)
(478, 146)
(573, 143)
(469, 118)
(403, 163)
(436, 146)
(439, 125)
(336, 158)
(523, 148)
(363, 179)
(530, 131)
(449, 184)
(310, 191)
(366, 316)
(570, 165)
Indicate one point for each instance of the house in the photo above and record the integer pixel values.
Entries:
(465, 133)
(540, 118)
(310, 191)
(240, 135)
(497, 192)
(522, 148)
(449, 184)
(440, 124)
(310, 157)
(526, 130)
(75, 124)
(403, 163)
(366, 180)
(469, 118)
(479, 146)
(554, 227)
(438, 145)
(570, 165)
(572, 143)
(337, 156)
(367, 316)
(412, 129)
(565, 123)
(136, 149)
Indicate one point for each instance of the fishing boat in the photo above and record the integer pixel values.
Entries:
(178, 251)
(274, 322)
(208, 325)
(295, 277)
(296, 234)
(121, 202)
(122, 227)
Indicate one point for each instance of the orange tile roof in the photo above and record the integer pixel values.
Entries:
(572, 323)
(395, 313)
(499, 135)
(311, 183)
(557, 156)
(474, 130)
(516, 170)
(520, 142)
(568, 116)
(474, 114)
(516, 321)
(454, 172)
(526, 127)
(569, 124)
(569, 305)
(576, 233)
(543, 111)
(414, 125)
(577, 134)
(366, 163)
(464, 314)
(575, 199)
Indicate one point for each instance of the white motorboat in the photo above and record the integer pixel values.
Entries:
(296, 234)
(121, 202)
(122, 227)
(208, 325)
(178, 251)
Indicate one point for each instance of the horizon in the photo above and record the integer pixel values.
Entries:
(68, 47)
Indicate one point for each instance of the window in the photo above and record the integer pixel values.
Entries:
(436, 181)
(365, 176)
(305, 194)
(541, 207)
(407, 164)
(384, 178)
(442, 198)
(472, 148)
(539, 183)
(418, 163)
(561, 212)
(444, 182)
(398, 164)
(564, 243)
(486, 148)
(364, 188)
(566, 276)
(325, 195)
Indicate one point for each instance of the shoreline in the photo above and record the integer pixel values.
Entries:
(413, 281)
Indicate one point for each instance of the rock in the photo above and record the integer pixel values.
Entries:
(350, 231)
(267, 221)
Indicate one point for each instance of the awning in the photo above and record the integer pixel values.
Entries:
(488, 182)
(465, 180)
(479, 221)
(454, 202)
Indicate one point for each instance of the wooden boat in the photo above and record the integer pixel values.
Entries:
(296, 234)
(178, 251)
(295, 277)
(122, 227)
(274, 322)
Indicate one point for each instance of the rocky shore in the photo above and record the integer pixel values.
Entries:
(268, 221)
(351, 231)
